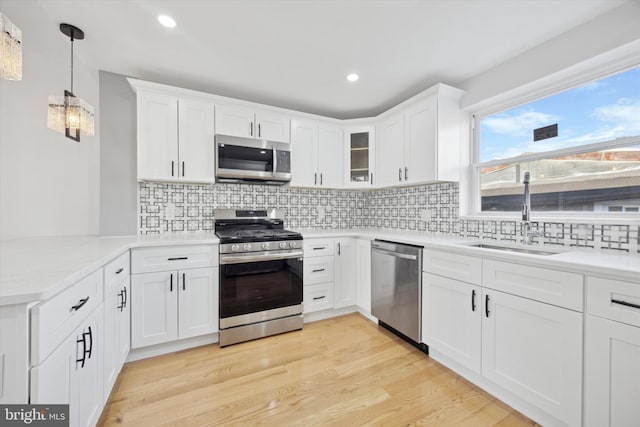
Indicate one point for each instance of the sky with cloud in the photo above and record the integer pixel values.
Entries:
(599, 111)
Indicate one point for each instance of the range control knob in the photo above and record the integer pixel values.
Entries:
(265, 246)
(235, 248)
(292, 244)
(282, 245)
(246, 247)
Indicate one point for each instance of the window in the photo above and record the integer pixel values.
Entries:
(581, 146)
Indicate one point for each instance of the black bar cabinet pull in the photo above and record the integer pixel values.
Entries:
(317, 298)
(371, 178)
(259, 130)
(406, 173)
(318, 248)
(171, 167)
(182, 168)
(179, 258)
(315, 178)
(184, 280)
(171, 282)
(399, 174)
(84, 350)
(320, 178)
(90, 334)
(251, 129)
(473, 300)
(339, 249)
(120, 270)
(80, 303)
(121, 305)
(318, 270)
(486, 305)
(625, 303)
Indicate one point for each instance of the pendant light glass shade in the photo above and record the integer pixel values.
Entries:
(10, 50)
(69, 114)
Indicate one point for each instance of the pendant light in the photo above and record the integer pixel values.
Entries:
(69, 114)
(10, 50)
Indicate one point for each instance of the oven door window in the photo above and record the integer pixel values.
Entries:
(258, 286)
(245, 158)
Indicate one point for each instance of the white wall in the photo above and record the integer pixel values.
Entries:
(609, 31)
(49, 184)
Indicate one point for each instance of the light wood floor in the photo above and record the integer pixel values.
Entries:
(344, 371)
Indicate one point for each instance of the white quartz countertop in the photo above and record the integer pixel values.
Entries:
(623, 266)
(36, 268)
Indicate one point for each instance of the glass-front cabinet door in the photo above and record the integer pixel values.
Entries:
(360, 157)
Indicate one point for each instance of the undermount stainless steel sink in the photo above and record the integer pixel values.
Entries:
(531, 251)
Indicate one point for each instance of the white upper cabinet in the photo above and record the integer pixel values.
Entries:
(250, 123)
(359, 157)
(420, 143)
(175, 138)
(390, 151)
(316, 159)
(157, 136)
(196, 147)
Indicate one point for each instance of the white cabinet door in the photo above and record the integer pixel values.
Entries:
(330, 156)
(272, 126)
(73, 374)
(196, 145)
(235, 121)
(390, 151)
(612, 373)
(534, 350)
(363, 274)
(451, 319)
(88, 378)
(197, 302)
(157, 136)
(124, 323)
(304, 147)
(112, 307)
(154, 317)
(420, 149)
(345, 272)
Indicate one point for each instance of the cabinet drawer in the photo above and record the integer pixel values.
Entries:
(454, 266)
(115, 272)
(614, 299)
(541, 284)
(147, 260)
(318, 270)
(318, 297)
(53, 320)
(318, 247)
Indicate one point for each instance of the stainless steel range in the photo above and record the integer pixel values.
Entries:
(260, 275)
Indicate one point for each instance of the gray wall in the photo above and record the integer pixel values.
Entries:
(118, 184)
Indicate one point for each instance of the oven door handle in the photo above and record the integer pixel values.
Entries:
(257, 257)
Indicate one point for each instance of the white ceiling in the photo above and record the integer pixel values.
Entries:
(296, 54)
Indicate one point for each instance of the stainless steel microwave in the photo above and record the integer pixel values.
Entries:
(252, 160)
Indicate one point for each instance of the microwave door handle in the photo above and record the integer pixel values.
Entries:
(275, 161)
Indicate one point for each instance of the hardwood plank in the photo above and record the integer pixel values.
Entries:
(344, 371)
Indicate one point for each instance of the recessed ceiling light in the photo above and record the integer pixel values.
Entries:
(353, 77)
(167, 21)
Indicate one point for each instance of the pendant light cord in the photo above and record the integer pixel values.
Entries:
(71, 61)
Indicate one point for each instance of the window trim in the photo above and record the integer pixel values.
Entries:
(595, 69)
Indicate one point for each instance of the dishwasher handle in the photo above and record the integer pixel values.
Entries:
(395, 254)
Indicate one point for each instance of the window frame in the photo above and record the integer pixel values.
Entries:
(531, 93)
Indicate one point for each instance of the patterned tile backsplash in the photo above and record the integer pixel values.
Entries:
(426, 209)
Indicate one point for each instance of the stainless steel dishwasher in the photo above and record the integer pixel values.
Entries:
(396, 282)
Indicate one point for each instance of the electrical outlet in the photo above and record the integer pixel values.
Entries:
(425, 215)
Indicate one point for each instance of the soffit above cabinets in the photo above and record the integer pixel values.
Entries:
(297, 55)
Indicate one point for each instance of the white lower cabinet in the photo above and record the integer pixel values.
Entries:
(534, 350)
(612, 373)
(451, 319)
(363, 274)
(117, 333)
(172, 305)
(73, 373)
(317, 297)
(345, 272)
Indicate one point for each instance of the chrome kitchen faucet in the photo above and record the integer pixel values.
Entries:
(527, 232)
